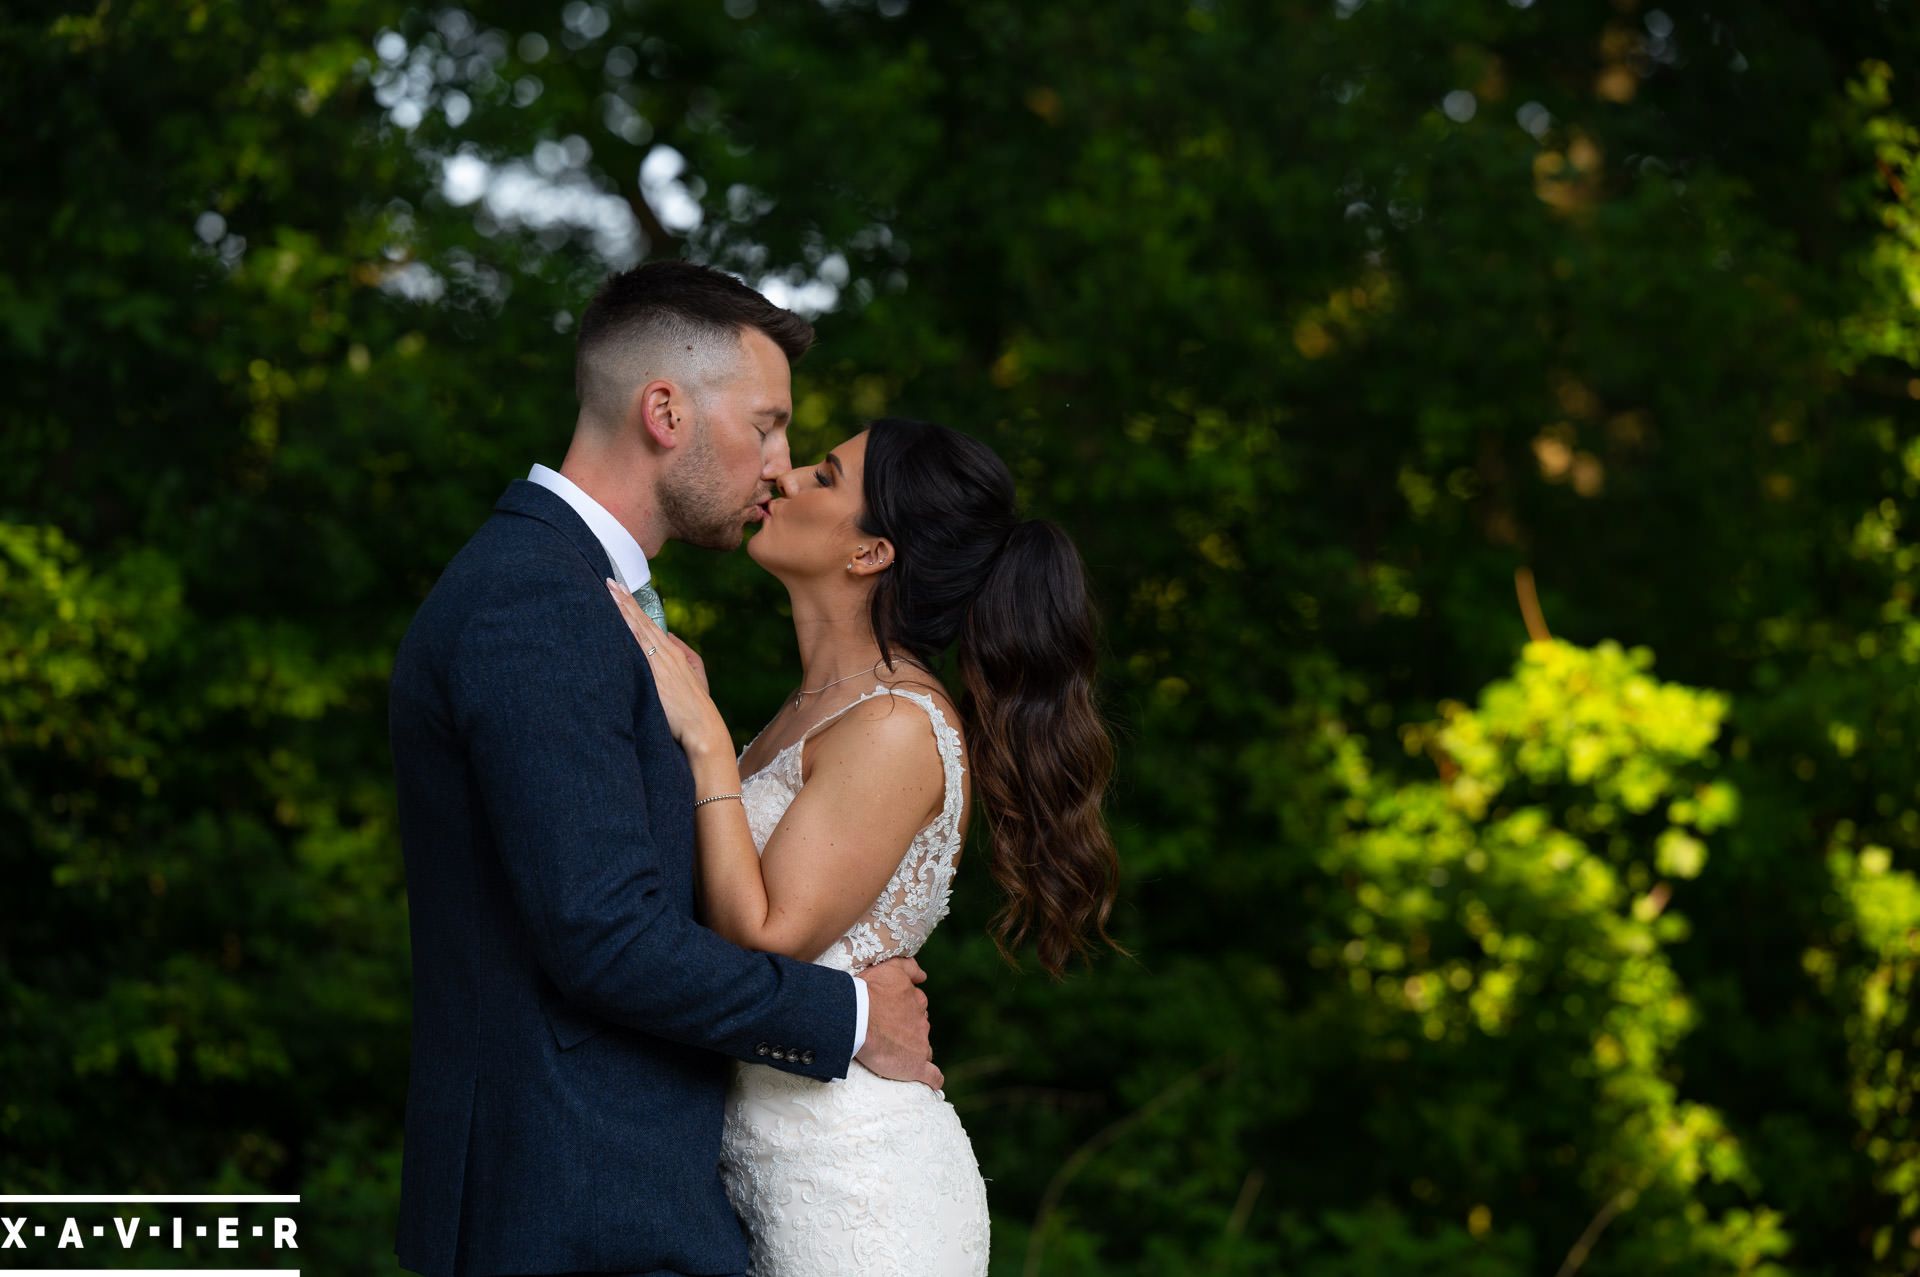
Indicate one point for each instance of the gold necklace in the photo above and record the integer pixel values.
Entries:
(815, 691)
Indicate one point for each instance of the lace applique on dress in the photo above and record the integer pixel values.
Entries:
(916, 897)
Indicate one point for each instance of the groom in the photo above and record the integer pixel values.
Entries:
(572, 1022)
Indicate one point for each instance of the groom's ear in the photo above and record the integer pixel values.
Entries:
(661, 411)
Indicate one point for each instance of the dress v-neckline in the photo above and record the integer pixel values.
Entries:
(779, 754)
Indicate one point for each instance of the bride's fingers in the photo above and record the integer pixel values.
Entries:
(641, 626)
(636, 616)
(655, 643)
(630, 611)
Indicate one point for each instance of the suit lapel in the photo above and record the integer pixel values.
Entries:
(653, 740)
(530, 500)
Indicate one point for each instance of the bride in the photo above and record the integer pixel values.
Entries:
(839, 845)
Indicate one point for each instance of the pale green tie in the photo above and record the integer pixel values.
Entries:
(649, 600)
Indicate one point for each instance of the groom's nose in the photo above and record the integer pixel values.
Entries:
(778, 457)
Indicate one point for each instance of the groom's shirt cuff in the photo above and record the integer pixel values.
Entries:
(859, 1014)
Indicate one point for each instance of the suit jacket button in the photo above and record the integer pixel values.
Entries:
(806, 1057)
(761, 1049)
(779, 1054)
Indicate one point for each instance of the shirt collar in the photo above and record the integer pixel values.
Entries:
(629, 560)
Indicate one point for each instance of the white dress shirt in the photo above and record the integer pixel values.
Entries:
(630, 570)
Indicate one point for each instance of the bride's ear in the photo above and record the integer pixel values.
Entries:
(870, 557)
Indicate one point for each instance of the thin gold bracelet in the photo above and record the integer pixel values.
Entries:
(716, 798)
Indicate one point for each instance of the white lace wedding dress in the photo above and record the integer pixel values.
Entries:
(862, 1175)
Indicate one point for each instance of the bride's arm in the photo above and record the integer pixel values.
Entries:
(876, 780)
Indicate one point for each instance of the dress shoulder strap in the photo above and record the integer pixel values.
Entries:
(835, 716)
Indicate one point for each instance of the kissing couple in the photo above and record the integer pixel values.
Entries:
(662, 991)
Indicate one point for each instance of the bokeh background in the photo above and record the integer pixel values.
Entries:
(1493, 429)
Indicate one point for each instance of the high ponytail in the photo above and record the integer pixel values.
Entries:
(1041, 753)
(1014, 596)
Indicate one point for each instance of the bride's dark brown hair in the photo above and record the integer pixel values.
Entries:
(1013, 594)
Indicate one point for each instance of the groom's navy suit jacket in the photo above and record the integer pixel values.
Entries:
(571, 1021)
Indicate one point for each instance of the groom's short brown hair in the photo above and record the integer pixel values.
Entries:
(662, 307)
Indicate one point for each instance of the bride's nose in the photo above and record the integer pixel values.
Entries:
(784, 483)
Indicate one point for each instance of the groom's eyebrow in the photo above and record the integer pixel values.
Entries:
(778, 414)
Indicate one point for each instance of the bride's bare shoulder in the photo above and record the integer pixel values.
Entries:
(884, 729)
(881, 707)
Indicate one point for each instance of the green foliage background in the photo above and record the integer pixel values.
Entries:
(1335, 331)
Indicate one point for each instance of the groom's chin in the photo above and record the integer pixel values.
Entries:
(723, 538)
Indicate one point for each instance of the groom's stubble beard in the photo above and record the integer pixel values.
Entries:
(694, 497)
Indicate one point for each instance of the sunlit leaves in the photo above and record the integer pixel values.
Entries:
(1476, 915)
(1881, 916)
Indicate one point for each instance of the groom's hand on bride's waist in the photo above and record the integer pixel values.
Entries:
(898, 1045)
